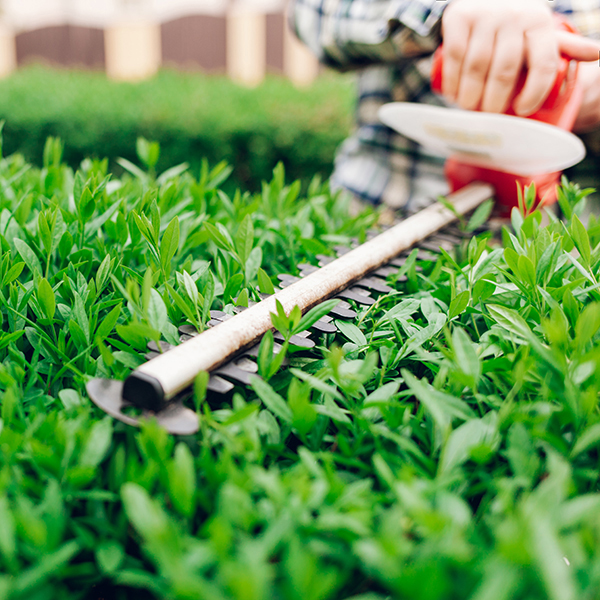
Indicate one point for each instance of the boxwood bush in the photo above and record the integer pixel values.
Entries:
(443, 445)
(191, 115)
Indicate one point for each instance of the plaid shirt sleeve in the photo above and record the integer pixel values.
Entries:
(348, 34)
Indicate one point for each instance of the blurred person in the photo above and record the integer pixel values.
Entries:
(390, 43)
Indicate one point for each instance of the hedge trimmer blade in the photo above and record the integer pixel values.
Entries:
(159, 386)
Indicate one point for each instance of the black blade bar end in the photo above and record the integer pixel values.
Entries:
(144, 391)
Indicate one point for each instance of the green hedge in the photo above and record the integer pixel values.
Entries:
(191, 115)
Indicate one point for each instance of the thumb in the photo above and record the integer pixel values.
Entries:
(577, 47)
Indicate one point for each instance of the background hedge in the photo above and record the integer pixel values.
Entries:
(191, 115)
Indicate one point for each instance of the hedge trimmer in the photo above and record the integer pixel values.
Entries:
(486, 154)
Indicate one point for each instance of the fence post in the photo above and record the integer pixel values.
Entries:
(8, 49)
(300, 65)
(133, 49)
(246, 46)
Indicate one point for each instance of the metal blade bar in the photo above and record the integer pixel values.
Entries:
(156, 382)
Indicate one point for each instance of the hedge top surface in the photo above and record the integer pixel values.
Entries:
(444, 445)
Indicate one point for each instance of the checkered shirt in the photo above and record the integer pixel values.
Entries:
(390, 43)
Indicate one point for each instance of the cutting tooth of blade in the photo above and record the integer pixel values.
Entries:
(218, 385)
(188, 329)
(358, 295)
(244, 363)
(324, 259)
(341, 250)
(164, 346)
(232, 371)
(375, 284)
(325, 326)
(435, 244)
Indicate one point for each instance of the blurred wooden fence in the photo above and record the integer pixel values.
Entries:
(244, 44)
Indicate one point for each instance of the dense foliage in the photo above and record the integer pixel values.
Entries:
(191, 115)
(442, 446)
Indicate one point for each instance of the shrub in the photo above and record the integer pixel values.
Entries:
(443, 445)
(192, 116)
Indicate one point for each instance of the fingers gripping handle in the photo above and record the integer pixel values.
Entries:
(559, 108)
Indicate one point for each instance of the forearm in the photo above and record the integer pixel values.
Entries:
(347, 34)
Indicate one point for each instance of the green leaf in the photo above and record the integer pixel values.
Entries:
(526, 270)
(383, 393)
(86, 206)
(242, 299)
(244, 238)
(157, 312)
(510, 320)
(271, 399)
(403, 310)
(190, 288)
(317, 383)
(44, 231)
(49, 565)
(265, 354)
(144, 513)
(70, 399)
(588, 439)
(442, 407)
(466, 438)
(107, 324)
(78, 185)
(253, 263)
(233, 286)
(109, 556)
(482, 290)
(330, 409)
(65, 244)
(352, 332)
(465, 356)
(80, 315)
(8, 544)
(182, 481)
(548, 555)
(265, 285)
(13, 273)
(103, 272)
(521, 453)
(588, 324)
(314, 314)
(45, 295)
(78, 335)
(581, 239)
(458, 304)
(97, 444)
(481, 215)
(304, 414)
(29, 256)
(184, 307)
(169, 244)
(200, 387)
(219, 236)
(137, 334)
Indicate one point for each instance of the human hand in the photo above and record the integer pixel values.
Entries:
(486, 44)
(588, 78)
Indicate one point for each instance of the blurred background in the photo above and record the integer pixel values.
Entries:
(220, 79)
